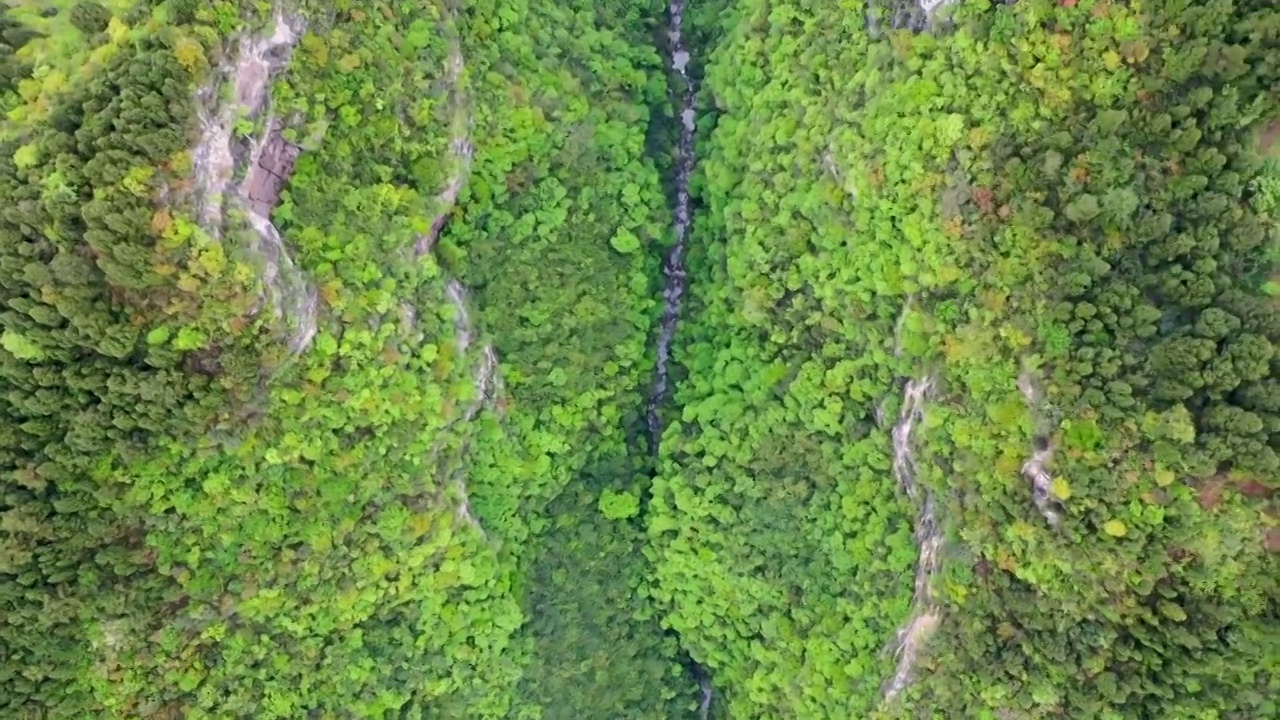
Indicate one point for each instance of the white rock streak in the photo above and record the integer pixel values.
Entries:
(924, 609)
(487, 382)
(1035, 469)
(459, 146)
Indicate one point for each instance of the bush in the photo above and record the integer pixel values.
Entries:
(619, 505)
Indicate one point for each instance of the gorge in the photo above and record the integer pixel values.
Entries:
(562, 359)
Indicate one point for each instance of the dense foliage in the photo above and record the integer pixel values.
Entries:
(266, 534)
(1074, 205)
(998, 277)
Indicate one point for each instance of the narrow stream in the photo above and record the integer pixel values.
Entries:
(673, 269)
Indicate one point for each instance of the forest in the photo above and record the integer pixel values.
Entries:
(631, 359)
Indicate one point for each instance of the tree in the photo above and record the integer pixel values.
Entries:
(90, 17)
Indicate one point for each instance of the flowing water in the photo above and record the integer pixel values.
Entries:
(673, 269)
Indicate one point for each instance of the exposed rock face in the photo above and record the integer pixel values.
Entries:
(270, 167)
(913, 15)
(1035, 469)
(248, 70)
(287, 291)
(292, 295)
(487, 382)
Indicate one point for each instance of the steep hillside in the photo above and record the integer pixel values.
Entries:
(276, 446)
(980, 304)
